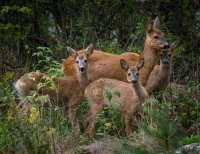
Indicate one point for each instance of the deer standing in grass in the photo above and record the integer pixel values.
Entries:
(130, 99)
(160, 76)
(69, 90)
(102, 64)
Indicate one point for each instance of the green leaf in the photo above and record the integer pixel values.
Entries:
(108, 93)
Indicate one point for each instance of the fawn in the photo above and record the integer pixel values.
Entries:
(69, 90)
(132, 94)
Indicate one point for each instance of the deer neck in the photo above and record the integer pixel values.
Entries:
(83, 80)
(165, 70)
(150, 56)
(140, 91)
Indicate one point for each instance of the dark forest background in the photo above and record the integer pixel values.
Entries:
(114, 25)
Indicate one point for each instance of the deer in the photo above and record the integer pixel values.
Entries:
(106, 65)
(132, 95)
(160, 76)
(69, 90)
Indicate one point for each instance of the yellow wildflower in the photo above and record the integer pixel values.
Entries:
(34, 115)
(51, 131)
(108, 125)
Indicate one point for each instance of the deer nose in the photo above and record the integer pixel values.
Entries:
(165, 62)
(134, 81)
(81, 69)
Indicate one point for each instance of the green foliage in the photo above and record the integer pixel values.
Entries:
(110, 46)
(189, 140)
(124, 147)
(44, 58)
(7, 9)
(109, 121)
(40, 130)
(35, 132)
(6, 95)
(158, 123)
(186, 104)
(10, 30)
(46, 82)
(46, 62)
(32, 128)
(194, 86)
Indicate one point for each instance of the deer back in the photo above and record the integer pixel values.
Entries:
(102, 65)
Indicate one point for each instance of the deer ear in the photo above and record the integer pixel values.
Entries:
(140, 64)
(148, 27)
(124, 64)
(173, 45)
(156, 23)
(71, 51)
(90, 49)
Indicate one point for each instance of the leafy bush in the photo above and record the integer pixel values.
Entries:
(6, 95)
(81, 112)
(110, 46)
(46, 62)
(158, 124)
(40, 130)
(109, 121)
(31, 127)
(185, 104)
(189, 140)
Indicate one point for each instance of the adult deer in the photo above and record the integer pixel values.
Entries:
(154, 42)
(131, 96)
(68, 90)
(160, 76)
(107, 65)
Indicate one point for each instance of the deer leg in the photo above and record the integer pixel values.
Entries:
(128, 129)
(72, 113)
(91, 118)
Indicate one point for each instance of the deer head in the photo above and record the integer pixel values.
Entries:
(81, 57)
(166, 54)
(154, 37)
(132, 71)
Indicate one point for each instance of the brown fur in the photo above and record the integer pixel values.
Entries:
(28, 82)
(106, 65)
(160, 76)
(130, 99)
(69, 90)
(101, 64)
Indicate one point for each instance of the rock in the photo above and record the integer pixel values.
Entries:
(193, 148)
(104, 146)
(109, 145)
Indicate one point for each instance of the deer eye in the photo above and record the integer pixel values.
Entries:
(85, 60)
(137, 73)
(129, 74)
(77, 61)
(156, 37)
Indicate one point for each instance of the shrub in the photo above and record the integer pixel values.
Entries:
(46, 62)
(160, 126)
(189, 140)
(109, 121)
